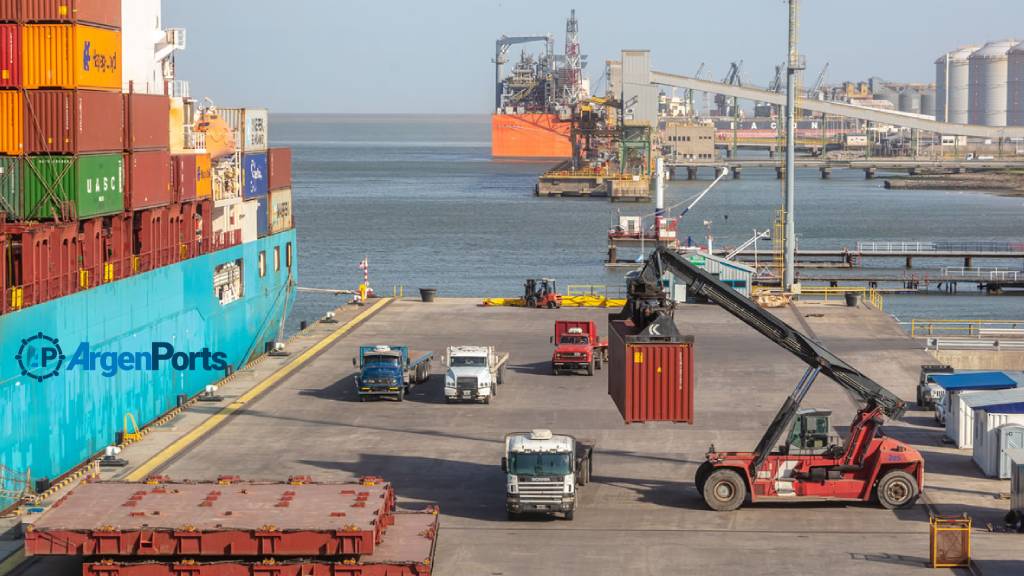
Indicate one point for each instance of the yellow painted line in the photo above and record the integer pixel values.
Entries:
(12, 561)
(147, 468)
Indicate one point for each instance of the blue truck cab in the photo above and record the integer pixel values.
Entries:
(386, 370)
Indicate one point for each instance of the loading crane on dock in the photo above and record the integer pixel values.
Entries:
(808, 465)
(813, 92)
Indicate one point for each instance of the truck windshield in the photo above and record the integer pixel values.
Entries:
(574, 340)
(533, 464)
(469, 361)
(378, 359)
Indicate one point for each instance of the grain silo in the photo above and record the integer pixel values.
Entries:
(988, 81)
(910, 101)
(928, 103)
(1015, 86)
(954, 67)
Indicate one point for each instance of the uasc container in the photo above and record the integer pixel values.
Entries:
(191, 179)
(254, 175)
(10, 187)
(250, 125)
(149, 179)
(71, 56)
(650, 381)
(106, 13)
(73, 122)
(280, 210)
(147, 122)
(279, 167)
(82, 187)
(10, 56)
(12, 122)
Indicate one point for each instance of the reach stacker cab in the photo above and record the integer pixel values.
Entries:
(542, 293)
(798, 458)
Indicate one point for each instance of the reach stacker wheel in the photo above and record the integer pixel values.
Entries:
(896, 489)
(724, 490)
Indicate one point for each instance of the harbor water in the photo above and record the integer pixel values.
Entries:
(420, 197)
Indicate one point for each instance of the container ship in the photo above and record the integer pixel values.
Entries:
(534, 102)
(147, 239)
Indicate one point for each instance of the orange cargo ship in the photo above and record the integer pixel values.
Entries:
(530, 136)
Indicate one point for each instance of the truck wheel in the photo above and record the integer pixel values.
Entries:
(896, 489)
(401, 395)
(511, 516)
(724, 491)
(362, 398)
(556, 371)
(597, 362)
(569, 515)
(494, 390)
(590, 369)
(487, 399)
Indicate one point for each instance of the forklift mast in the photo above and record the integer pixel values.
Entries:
(650, 309)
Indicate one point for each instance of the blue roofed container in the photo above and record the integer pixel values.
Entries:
(254, 176)
(988, 420)
(958, 419)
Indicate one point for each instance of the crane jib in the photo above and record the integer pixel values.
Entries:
(813, 353)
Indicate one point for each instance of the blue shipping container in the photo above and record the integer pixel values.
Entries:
(262, 216)
(254, 175)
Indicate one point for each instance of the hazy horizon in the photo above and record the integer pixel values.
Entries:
(332, 56)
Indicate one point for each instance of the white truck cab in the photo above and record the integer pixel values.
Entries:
(542, 472)
(474, 373)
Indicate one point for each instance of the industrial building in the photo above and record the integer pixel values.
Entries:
(686, 140)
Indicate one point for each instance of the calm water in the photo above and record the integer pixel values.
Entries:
(422, 199)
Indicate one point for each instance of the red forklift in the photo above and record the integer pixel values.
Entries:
(798, 458)
(542, 293)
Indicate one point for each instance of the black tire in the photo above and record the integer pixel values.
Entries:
(531, 302)
(896, 490)
(724, 490)
(569, 515)
(487, 399)
(401, 395)
(362, 398)
(920, 399)
(511, 516)
(597, 362)
(552, 305)
(494, 390)
(703, 471)
(556, 371)
(590, 369)
(448, 400)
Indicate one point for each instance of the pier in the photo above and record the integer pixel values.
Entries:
(300, 415)
(871, 166)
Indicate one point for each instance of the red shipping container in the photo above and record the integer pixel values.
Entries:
(149, 179)
(184, 184)
(73, 122)
(10, 11)
(10, 55)
(105, 13)
(650, 381)
(147, 122)
(279, 167)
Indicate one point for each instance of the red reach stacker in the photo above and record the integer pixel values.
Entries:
(797, 459)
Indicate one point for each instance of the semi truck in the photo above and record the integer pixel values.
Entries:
(386, 370)
(474, 373)
(577, 347)
(543, 471)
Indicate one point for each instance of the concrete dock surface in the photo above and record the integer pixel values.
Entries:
(641, 513)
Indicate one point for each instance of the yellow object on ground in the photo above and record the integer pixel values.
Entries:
(567, 302)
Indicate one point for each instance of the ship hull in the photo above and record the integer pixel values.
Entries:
(50, 426)
(530, 136)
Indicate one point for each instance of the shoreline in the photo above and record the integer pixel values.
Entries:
(1007, 184)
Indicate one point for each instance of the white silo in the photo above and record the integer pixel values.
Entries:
(952, 66)
(988, 79)
(1015, 86)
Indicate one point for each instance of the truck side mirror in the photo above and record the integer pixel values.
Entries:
(504, 464)
(354, 363)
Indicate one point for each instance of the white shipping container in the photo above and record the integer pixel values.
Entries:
(248, 218)
(986, 437)
(1017, 483)
(962, 405)
(250, 125)
(280, 217)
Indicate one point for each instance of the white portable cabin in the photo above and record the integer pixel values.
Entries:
(989, 424)
(960, 425)
(1016, 457)
(963, 385)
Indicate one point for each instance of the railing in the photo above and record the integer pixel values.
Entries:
(870, 295)
(920, 328)
(939, 246)
(994, 274)
(935, 344)
(598, 290)
(897, 247)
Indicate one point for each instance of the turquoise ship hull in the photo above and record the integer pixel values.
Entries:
(51, 426)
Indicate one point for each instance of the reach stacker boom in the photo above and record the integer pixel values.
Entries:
(797, 458)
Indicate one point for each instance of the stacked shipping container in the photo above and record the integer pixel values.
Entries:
(119, 182)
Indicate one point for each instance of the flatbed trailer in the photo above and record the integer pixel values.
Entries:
(407, 550)
(215, 519)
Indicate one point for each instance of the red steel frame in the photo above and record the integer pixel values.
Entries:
(244, 569)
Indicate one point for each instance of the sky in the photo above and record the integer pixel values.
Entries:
(407, 56)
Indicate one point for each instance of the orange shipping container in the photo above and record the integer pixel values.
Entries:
(204, 176)
(12, 110)
(71, 56)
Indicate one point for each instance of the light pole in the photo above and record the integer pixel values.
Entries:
(794, 65)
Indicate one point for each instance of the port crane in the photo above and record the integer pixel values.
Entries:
(813, 92)
(808, 465)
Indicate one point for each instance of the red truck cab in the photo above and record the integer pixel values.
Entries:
(577, 347)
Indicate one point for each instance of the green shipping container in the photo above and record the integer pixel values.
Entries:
(10, 187)
(76, 187)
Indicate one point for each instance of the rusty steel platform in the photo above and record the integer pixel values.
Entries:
(226, 518)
